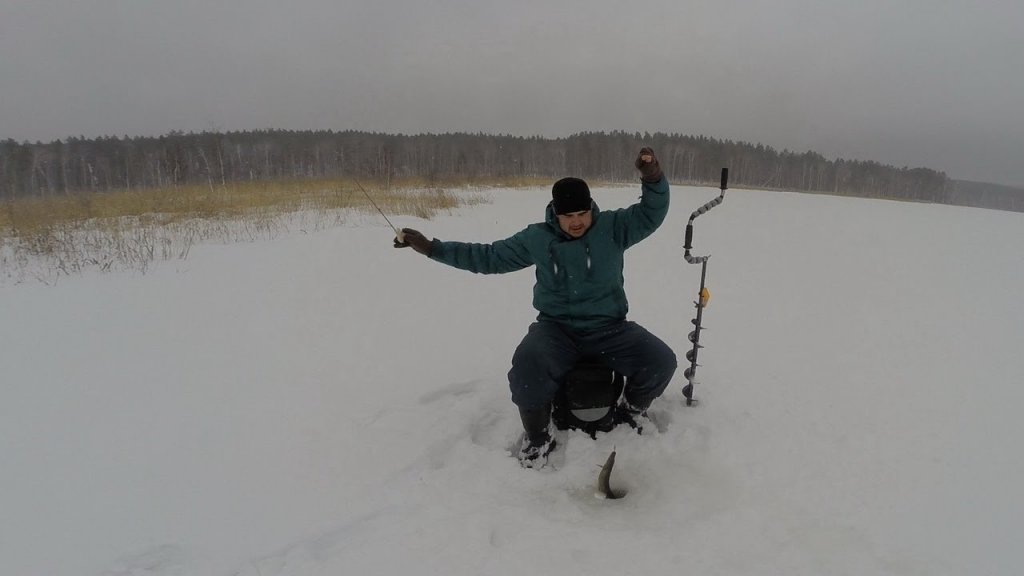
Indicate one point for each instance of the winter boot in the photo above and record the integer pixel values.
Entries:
(636, 417)
(537, 439)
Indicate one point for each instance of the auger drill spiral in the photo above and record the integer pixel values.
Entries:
(703, 296)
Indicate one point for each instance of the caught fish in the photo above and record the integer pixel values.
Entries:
(604, 488)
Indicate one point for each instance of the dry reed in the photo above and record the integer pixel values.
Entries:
(128, 230)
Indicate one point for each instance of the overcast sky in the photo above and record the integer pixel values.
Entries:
(918, 82)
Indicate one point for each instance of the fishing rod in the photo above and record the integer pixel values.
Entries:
(703, 296)
(398, 233)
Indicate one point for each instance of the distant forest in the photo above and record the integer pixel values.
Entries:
(80, 165)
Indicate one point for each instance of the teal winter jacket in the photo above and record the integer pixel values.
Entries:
(579, 281)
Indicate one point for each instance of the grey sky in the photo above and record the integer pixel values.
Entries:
(919, 82)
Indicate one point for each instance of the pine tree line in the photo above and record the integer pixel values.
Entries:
(80, 165)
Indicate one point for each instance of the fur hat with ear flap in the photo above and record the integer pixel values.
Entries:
(570, 195)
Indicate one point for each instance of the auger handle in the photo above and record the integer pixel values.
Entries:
(688, 245)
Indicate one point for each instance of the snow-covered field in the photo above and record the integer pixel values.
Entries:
(323, 404)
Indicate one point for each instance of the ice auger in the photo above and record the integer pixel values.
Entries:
(703, 296)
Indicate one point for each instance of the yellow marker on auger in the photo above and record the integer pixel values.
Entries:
(705, 297)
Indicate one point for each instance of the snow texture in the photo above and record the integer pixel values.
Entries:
(325, 404)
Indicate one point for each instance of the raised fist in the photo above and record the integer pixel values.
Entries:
(647, 164)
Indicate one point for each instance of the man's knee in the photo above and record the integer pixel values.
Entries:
(659, 358)
(531, 383)
(537, 367)
(664, 357)
(651, 380)
(664, 365)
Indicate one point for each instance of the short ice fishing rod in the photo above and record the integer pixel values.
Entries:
(399, 235)
(703, 296)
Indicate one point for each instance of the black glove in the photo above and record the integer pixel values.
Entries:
(418, 242)
(647, 164)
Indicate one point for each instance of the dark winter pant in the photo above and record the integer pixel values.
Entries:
(549, 351)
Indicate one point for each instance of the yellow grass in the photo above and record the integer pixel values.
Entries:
(34, 215)
(129, 229)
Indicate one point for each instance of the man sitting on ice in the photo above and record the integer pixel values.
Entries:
(578, 256)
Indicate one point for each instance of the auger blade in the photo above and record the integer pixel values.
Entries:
(688, 393)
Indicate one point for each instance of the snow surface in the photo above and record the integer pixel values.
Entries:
(325, 404)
